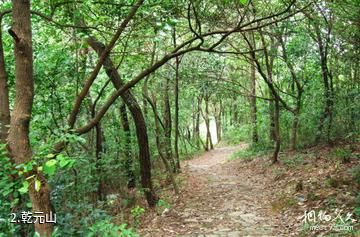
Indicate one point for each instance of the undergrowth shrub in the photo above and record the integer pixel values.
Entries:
(355, 172)
(107, 228)
(343, 154)
(237, 134)
(250, 152)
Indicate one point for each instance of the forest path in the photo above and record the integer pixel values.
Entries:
(218, 199)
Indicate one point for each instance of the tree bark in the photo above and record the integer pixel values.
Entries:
(167, 165)
(224, 119)
(327, 113)
(168, 125)
(274, 104)
(255, 136)
(176, 119)
(18, 140)
(295, 125)
(145, 86)
(99, 150)
(323, 45)
(235, 113)
(209, 143)
(218, 121)
(272, 120)
(193, 117)
(299, 91)
(140, 125)
(129, 158)
(98, 153)
(197, 122)
(4, 94)
(104, 55)
(276, 131)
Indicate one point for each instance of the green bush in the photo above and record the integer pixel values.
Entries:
(136, 212)
(106, 228)
(293, 161)
(344, 154)
(357, 207)
(8, 188)
(235, 135)
(251, 152)
(355, 172)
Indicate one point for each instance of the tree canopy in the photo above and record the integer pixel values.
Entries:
(101, 98)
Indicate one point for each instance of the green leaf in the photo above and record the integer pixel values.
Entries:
(243, 2)
(6, 192)
(50, 156)
(51, 162)
(28, 167)
(49, 167)
(65, 161)
(14, 202)
(37, 185)
(24, 188)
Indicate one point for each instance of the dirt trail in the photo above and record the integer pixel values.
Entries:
(219, 199)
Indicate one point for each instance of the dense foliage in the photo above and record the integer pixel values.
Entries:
(276, 74)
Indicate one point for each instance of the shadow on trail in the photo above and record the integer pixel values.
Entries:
(217, 200)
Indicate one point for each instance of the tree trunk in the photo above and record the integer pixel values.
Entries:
(128, 153)
(197, 122)
(176, 119)
(235, 113)
(145, 86)
(193, 117)
(272, 120)
(274, 104)
(295, 125)
(276, 131)
(99, 141)
(255, 137)
(18, 140)
(352, 126)
(224, 119)
(218, 121)
(140, 125)
(209, 143)
(168, 125)
(328, 89)
(299, 88)
(4, 95)
(185, 140)
(230, 115)
(168, 167)
(98, 153)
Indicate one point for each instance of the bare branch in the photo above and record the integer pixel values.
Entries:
(92, 77)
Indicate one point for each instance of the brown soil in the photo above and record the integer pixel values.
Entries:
(251, 197)
(218, 199)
